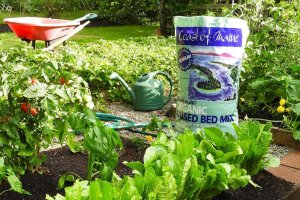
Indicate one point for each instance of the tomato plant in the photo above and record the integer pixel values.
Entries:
(34, 111)
(63, 81)
(33, 81)
(25, 107)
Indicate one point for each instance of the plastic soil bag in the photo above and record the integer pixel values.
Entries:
(209, 52)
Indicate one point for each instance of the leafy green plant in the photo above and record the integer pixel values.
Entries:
(42, 100)
(270, 59)
(100, 143)
(34, 108)
(130, 59)
(191, 166)
(41, 92)
(157, 125)
(287, 101)
(129, 12)
(254, 139)
(289, 107)
(139, 142)
(7, 173)
(271, 63)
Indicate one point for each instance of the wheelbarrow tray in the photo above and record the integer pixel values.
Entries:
(37, 28)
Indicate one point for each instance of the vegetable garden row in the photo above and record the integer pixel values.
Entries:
(50, 97)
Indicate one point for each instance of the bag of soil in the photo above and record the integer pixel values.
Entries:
(210, 51)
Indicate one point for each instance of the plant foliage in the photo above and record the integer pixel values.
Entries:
(43, 100)
(109, 11)
(191, 166)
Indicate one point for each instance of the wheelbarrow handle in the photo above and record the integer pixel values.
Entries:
(86, 17)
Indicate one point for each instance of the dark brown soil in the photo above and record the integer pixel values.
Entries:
(62, 160)
(271, 188)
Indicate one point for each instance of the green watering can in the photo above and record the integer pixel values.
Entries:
(147, 93)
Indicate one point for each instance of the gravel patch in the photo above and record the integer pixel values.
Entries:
(278, 150)
(126, 110)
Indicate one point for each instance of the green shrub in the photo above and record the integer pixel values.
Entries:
(94, 62)
(129, 11)
(130, 59)
(272, 55)
(110, 11)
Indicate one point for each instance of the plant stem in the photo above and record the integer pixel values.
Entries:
(5, 191)
(74, 174)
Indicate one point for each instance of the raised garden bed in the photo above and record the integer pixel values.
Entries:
(62, 160)
(272, 188)
(284, 137)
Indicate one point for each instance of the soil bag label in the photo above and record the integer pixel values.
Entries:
(209, 53)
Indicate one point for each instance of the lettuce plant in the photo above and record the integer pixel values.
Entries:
(190, 166)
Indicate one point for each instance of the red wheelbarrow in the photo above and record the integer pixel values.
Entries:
(52, 31)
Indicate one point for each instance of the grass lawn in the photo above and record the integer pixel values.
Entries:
(91, 34)
(88, 34)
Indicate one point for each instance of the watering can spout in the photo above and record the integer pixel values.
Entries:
(114, 75)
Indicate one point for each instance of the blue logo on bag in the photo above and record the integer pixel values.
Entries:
(185, 58)
(209, 36)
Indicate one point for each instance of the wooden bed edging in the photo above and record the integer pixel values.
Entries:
(284, 137)
(294, 194)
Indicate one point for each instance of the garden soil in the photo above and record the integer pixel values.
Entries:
(62, 160)
(271, 188)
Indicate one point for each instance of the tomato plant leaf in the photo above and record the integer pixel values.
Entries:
(25, 152)
(74, 145)
(16, 184)
(36, 90)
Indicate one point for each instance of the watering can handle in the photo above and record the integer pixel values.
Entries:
(167, 98)
(86, 17)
